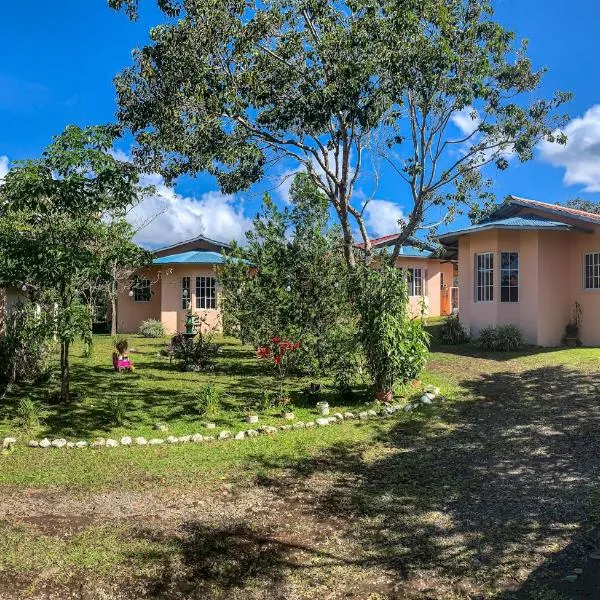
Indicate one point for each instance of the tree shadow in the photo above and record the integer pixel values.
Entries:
(483, 495)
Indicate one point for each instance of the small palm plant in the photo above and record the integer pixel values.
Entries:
(29, 413)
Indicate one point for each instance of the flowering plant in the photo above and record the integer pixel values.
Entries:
(278, 350)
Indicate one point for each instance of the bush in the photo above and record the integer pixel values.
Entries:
(29, 413)
(194, 355)
(452, 332)
(208, 401)
(504, 338)
(152, 328)
(117, 408)
(26, 345)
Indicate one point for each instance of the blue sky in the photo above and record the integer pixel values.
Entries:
(59, 59)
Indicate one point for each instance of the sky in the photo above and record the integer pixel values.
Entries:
(58, 60)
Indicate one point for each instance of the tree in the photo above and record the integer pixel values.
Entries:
(298, 289)
(234, 87)
(57, 213)
(585, 205)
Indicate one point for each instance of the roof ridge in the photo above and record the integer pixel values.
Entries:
(560, 207)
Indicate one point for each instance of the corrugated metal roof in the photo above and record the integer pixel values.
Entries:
(414, 252)
(195, 257)
(517, 222)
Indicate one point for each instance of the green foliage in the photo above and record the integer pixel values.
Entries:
(585, 205)
(394, 343)
(29, 413)
(194, 355)
(152, 328)
(452, 332)
(208, 401)
(25, 344)
(233, 87)
(62, 218)
(503, 338)
(297, 287)
(117, 409)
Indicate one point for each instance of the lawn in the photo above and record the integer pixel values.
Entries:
(491, 494)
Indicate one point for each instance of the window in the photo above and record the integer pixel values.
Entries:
(206, 292)
(509, 277)
(141, 291)
(415, 282)
(442, 283)
(185, 292)
(484, 277)
(591, 273)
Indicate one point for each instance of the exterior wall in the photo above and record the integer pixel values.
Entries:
(173, 315)
(165, 304)
(131, 313)
(431, 284)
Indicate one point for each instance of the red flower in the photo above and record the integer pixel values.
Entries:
(276, 340)
(263, 352)
(277, 359)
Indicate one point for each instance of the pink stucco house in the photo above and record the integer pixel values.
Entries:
(527, 265)
(181, 275)
(431, 280)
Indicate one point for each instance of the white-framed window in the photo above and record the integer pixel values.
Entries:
(484, 277)
(509, 277)
(141, 291)
(415, 281)
(591, 271)
(206, 292)
(186, 290)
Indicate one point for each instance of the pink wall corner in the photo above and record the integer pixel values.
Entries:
(173, 314)
(131, 313)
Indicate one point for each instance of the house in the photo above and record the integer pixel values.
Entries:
(181, 275)
(9, 297)
(528, 264)
(431, 279)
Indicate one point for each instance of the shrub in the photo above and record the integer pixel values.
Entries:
(29, 413)
(196, 355)
(208, 401)
(452, 332)
(117, 408)
(395, 345)
(152, 328)
(504, 338)
(26, 344)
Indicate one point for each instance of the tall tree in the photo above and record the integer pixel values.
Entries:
(233, 87)
(57, 214)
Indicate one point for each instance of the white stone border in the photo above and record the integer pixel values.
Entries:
(430, 394)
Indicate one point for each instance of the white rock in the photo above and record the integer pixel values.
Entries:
(425, 400)
(197, 438)
(430, 395)
(252, 418)
(81, 444)
(70, 445)
(268, 429)
(209, 438)
(172, 440)
(339, 416)
(323, 422)
(285, 427)
(59, 443)
(141, 441)
(349, 415)
(363, 415)
(309, 424)
(408, 408)
(98, 444)
(110, 443)
(432, 389)
(371, 413)
(224, 435)
(126, 441)
(33, 444)
(8, 442)
(155, 442)
(184, 439)
(161, 427)
(299, 425)
(240, 435)
(210, 425)
(45, 443)
(252, 433)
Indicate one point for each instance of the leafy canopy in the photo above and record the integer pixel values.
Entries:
(234, 87)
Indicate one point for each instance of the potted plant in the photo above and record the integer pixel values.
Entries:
(571, 337)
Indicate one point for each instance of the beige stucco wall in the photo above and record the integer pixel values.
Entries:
(431, 283)
(551, 281)
(165, 304)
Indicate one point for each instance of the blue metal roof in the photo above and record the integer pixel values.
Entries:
(522, 222)
(195, 257)
(414, 252)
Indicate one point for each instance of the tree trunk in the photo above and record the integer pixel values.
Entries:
(64, 371)
(113, 315)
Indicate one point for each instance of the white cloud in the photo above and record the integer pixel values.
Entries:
(467, 120)
(167, 217)
(580, 157)
(3, 168)
(382, 216)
